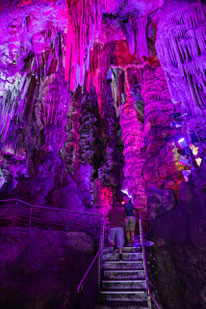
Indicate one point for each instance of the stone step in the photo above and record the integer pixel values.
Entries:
(124, 274)
(125, 256)
(123, 296)
(123, 284)
(108, 305)
(125, 249)
(123, 265)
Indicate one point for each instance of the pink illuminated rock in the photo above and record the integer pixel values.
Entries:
(133, 7)
(133, 138)
(31, 45)
(84, 27)
(103, 197)
(135, 31)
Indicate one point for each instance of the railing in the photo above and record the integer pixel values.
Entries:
(89, 287)
(14, 213)
(150, 296)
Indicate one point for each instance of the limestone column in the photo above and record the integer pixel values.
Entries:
(133, 139)
(162, 167)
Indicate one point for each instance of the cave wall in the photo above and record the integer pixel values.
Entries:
(42, 269)
(180, 47)
(94, 98)
(56, 136)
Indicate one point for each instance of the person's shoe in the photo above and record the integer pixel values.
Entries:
(120, 257)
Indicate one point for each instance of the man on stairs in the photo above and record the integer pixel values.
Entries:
(131, 221)
(117, 218)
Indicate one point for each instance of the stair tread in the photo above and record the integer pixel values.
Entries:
(123, 270)
(124, 280)
(125, 289)
(124, 292)
(129, 291)
(123, 247)
(123, 261)
(123, 305)
(125, 252)
(124, 302)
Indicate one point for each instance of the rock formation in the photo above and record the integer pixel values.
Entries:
(100, 97)
(181, 49)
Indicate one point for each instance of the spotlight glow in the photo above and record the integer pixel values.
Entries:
(181, 140)
(126, 192)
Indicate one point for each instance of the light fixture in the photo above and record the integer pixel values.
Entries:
(182, 143)
(126, 192)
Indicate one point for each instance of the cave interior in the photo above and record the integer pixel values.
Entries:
(100, 98)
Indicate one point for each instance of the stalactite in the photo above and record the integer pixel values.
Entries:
(35, 113)
(181, 49)
(70, 149)
(90, 145)
(84, 26)
(108, 184)
(111, 169)
(88, 123)
(133, 139)
(135, 31)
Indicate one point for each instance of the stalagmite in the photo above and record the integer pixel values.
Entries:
(162, 167)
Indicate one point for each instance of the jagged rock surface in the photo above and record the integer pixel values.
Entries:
(133, 138)
(182, 52)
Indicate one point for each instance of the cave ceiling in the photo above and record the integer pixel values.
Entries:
(72, 70)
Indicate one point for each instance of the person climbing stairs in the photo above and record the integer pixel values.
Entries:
(123, 283)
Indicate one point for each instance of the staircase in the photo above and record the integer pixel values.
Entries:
(123, 283)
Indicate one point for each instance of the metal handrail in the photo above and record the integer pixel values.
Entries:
(150, 296)
(96, 262)
(28, 215)
(49, 208)
(87, 272)
(85, 297)
(144, 261)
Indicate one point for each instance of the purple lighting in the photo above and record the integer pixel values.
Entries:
(98, 99)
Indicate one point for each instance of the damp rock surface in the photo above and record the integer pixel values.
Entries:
(42, 269)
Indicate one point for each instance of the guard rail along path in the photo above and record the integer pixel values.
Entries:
(17, 213)
(150, 296)
(89, 287)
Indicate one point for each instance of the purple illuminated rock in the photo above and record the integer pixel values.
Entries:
(42, 267)
(182, 54)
